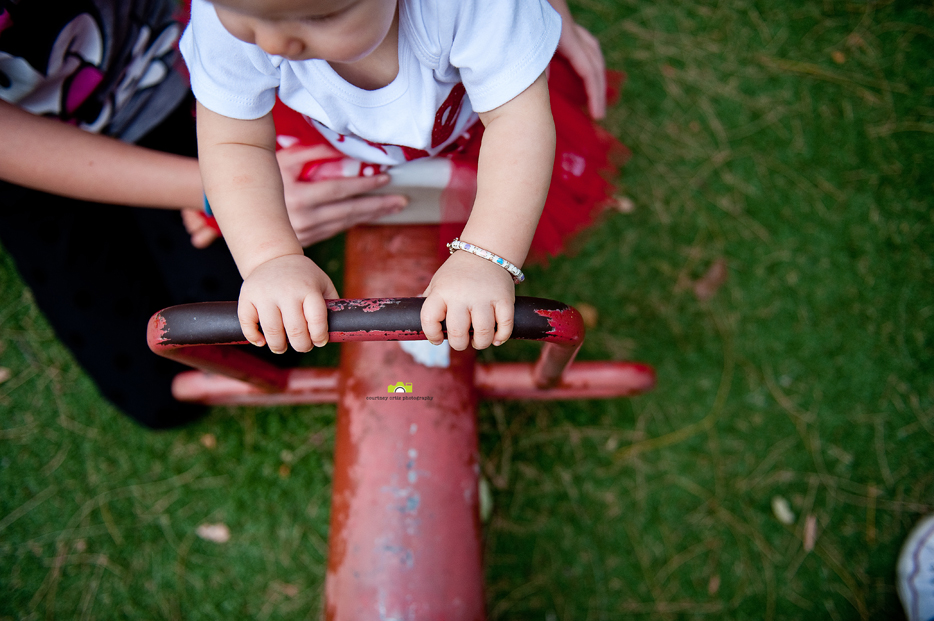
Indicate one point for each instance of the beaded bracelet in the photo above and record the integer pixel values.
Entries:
(517, 275)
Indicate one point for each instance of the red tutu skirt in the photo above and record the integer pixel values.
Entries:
(587, 161)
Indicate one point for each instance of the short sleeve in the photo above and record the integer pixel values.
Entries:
(500, 47)
(228, 76)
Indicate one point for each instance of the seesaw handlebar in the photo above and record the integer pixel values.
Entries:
(195, 333)
(374, 319)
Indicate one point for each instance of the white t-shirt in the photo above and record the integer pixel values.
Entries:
(456, 58)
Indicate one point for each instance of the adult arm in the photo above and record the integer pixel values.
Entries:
(47, 155)
(51, 156)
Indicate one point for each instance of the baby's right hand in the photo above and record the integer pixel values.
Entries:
(286, 297)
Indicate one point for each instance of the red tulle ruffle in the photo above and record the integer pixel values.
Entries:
(587, 162)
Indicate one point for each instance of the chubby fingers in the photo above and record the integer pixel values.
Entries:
(249, 323)
(294, 330)
(280, 327)
(457, 323)
(315, 315)
(433, 312)
(315, 310)
(300, 325)
(267, 329)
(478, 327)
(492, 325)
(484, 326)
(505, 319)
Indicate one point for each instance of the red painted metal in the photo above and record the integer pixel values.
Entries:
(405, 533)
(304, 385)
(582, 380)
(566, 326)
(197, 328)
(510, 380)
(552, 362)
(199, 335)
(218, 357)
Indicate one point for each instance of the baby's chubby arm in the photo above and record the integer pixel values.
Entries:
(514, 172)
(283, 290)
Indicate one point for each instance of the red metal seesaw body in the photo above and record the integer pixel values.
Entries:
(405, 532)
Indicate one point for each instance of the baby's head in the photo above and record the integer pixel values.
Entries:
(341, 31)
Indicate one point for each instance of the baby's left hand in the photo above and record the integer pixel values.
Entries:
(469, 291)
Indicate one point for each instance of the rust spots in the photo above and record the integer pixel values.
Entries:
(367, 305)
(375, 335)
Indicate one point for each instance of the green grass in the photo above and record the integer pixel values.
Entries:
(794, 140)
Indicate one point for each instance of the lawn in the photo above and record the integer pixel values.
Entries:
(774, 472)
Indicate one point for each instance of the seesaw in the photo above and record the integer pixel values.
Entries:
(405, 534)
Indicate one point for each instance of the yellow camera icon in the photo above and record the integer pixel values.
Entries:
(399, 387)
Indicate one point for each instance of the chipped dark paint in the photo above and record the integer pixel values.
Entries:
(366, 319)
(383, 317)
(196, 334)
(367, 305)
(375, 335)
(205, 323)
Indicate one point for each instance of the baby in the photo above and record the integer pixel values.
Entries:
(385, 81)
